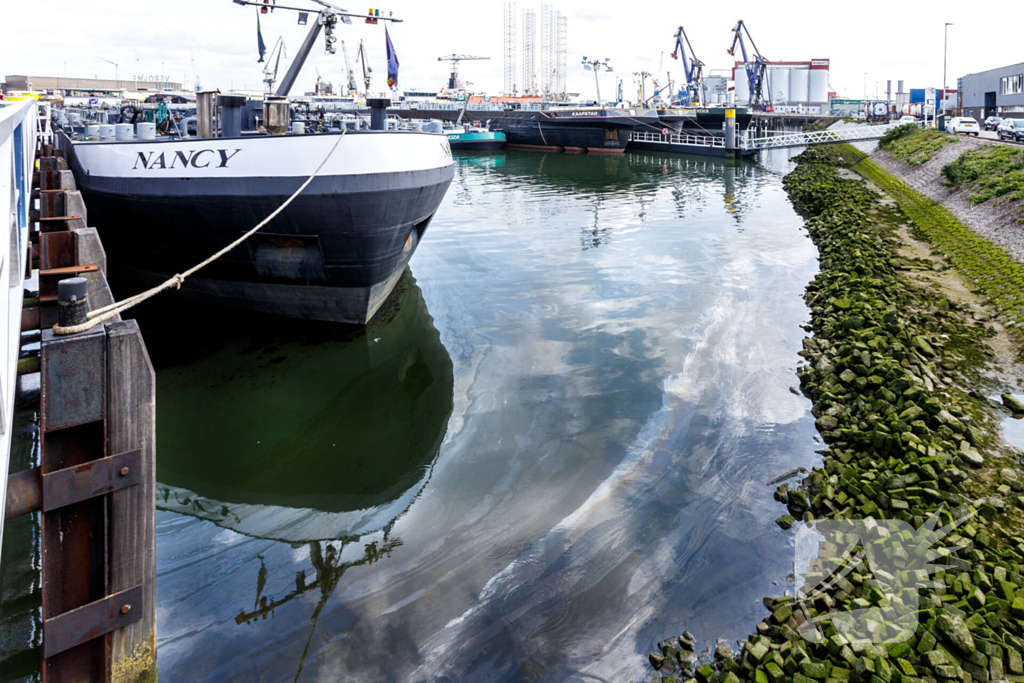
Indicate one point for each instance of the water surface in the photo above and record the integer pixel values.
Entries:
(548, 453)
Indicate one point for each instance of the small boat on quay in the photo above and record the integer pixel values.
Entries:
(584, 129)
(163, 204)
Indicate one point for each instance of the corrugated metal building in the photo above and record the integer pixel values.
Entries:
(41, 83)
(994, 92)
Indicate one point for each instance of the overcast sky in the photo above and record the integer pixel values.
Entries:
(895, 40)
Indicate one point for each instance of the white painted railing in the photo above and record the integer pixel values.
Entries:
(818, 137)
(678, 139)
(19, 125)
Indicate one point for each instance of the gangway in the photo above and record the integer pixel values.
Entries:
(818, 137)
(714, 145)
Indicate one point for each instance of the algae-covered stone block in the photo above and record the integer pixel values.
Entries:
(812, 669)
(775, 672)
(934, 658)
(1018, 607)
(756, 651)
(798, 500)
(954, 630)
(785, 521)
(839, 673)
(1014, 662)
(1013, 403)
(864, 667)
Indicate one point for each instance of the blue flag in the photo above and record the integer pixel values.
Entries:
(392, 62)
(259, 38)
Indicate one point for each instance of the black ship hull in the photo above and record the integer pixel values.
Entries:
(335, 253)
(593, 131)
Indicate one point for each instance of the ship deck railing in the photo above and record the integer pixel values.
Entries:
(679, 139)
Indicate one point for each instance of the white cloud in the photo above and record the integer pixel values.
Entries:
(904, 42)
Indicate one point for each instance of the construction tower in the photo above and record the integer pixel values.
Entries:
(560, 56)
(510, 49)
(548, 47)
(529, 50)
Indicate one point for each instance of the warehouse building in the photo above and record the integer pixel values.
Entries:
(45, 83)
(997, 92)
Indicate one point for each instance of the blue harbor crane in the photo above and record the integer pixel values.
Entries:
(693, 92)
(759, 93)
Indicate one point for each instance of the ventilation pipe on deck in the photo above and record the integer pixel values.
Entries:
(231, 115)
(378, 112)
(205, 114)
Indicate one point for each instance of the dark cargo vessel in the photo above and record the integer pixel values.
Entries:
(586, 129)
(335, 253)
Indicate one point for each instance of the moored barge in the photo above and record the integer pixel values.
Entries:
(585, 129)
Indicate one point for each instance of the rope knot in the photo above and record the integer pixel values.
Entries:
(177, 280)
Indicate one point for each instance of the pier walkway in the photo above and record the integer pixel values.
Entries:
(715, 145)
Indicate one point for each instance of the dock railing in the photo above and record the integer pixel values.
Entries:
(18, 135)
(679, 139)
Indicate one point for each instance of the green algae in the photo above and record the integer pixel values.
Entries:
(887, 371)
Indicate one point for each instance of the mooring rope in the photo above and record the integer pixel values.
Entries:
(105, 313)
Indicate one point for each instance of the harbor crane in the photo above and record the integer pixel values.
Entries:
(759, 91)
(455, 59)
(693, 70)
(367, 69)
(269, 78)
(325, 20)
(348, 71)
(642, 85)
(196, 85)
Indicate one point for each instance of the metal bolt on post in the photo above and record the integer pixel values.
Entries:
(72, 301)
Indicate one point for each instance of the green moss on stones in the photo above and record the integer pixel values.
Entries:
(886, 371)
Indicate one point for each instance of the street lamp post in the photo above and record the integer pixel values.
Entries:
(116, 80)
(596, 65)
(945, 46)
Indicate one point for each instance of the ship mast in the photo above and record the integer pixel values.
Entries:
(326, 19)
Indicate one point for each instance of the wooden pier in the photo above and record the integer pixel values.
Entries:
(94, 486)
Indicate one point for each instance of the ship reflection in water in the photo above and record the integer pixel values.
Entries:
(314, 435)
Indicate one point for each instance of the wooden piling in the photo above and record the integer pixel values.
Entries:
(96, 484)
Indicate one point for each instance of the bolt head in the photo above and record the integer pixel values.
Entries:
(124, 471)
(125, 609)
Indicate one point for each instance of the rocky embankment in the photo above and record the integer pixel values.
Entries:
(996, 221)
(894, 370)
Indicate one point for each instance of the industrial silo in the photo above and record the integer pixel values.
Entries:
(799, 85)
(778, 83)
(742, 87)
(819, 81)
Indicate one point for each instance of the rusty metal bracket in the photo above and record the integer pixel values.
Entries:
(24, 493)
(94, 478)
(91, 621)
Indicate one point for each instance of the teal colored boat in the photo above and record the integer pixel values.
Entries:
(475, 139)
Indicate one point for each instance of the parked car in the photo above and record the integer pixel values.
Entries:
(907, 119)
(1011, 129)
(992, 122)
(963, 124)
